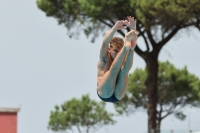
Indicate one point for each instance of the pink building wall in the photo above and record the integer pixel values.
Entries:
(8, 120)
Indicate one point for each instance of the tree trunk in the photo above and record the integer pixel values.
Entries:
(152, 90)
(158, 124)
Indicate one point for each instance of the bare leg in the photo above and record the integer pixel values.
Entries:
(122, 80)
(107, 84)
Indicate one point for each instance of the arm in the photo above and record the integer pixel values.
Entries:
(106, 40)
(118, 26)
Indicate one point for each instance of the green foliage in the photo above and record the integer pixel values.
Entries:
(177, 88)
(83, 114)
(82, 15)
(166, 13)
(96, 14)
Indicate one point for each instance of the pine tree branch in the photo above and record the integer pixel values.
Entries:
(152, 41)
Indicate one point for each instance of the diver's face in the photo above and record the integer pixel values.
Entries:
(113, 52)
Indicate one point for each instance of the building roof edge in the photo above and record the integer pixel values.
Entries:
(10, 110)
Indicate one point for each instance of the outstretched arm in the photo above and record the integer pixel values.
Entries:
(118, 26)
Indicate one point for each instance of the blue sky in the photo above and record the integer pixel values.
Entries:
(41, 67)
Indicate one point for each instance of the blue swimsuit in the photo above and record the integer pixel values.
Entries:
(111, 99)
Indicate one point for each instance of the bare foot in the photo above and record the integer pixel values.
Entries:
(133, 42)
(128, 39)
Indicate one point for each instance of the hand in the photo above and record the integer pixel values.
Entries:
(131, 22)
(122, 24)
